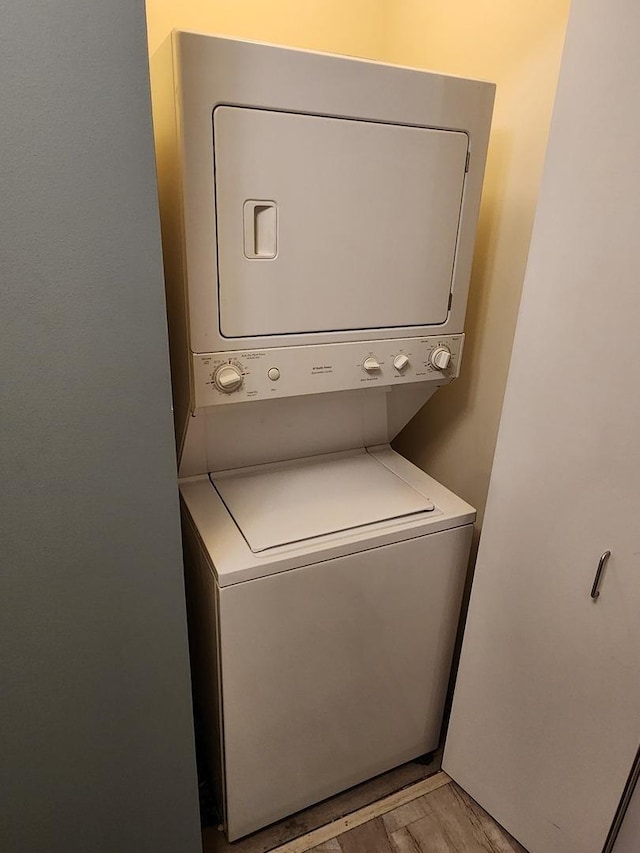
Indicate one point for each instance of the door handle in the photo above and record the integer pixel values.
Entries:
(602, 562)
(260, 229)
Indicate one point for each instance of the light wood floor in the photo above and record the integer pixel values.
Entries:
(371, 794)
(445, 820)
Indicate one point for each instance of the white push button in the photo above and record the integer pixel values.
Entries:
(273, 373)
(371, 364)
(400, 362)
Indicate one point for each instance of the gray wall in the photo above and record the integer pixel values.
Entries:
(96, 751)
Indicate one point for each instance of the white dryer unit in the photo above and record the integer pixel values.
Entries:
(318, 217)
(309, 200)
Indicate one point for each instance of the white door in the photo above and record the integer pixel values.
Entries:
(328, 224)
(546, 715)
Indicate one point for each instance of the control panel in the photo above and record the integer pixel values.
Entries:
(236, 377)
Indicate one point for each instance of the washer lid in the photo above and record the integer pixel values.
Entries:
(287, 502)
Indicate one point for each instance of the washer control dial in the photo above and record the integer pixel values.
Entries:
(228, 378)
(371, 364)
(440, 358)
(401, 362)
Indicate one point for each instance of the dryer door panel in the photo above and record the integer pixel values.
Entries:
(327, 224)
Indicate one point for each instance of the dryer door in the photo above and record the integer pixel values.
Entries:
(327, 224)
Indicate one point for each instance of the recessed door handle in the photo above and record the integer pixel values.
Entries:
(260, 229)
(602, 562)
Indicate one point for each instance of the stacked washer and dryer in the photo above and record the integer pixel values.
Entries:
(318, 218)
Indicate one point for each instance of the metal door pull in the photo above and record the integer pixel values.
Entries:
(602, 562)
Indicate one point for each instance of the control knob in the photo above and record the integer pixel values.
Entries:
(371, 364)
(400, 362)
(227, 378)
(440, 358)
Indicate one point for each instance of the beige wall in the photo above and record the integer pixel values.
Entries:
(516, 45)
(354, 27)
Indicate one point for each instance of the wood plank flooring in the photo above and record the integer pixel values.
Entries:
(348, 803)
(445, 820)
(367, 814)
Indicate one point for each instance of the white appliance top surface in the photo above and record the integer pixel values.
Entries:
(232, 561)
(287, 502)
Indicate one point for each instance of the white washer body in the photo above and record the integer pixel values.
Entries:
(320, 663)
